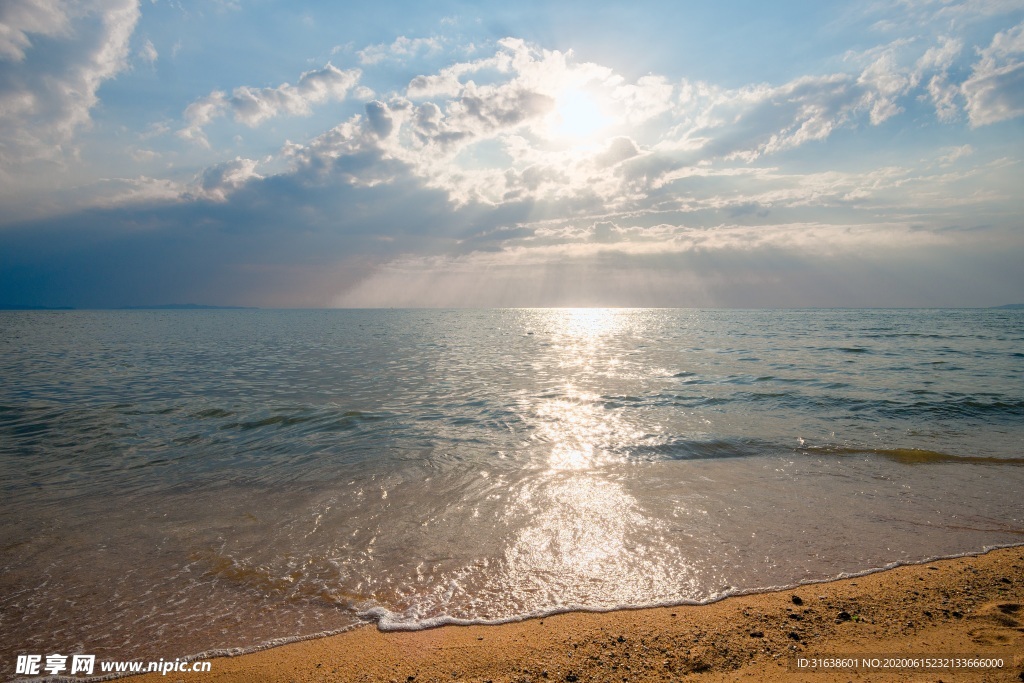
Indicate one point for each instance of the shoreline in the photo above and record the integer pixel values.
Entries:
(969, 606)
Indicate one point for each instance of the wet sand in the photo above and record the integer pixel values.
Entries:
(964, 608)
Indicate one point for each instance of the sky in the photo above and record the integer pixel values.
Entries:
(305, 154)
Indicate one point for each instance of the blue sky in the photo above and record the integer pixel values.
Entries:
(745, 154)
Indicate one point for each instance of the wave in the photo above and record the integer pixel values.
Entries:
(836, 405)
(911, 456)
(714, 449)
(389, 621)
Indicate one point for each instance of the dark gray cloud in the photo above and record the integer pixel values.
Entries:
(290, 239)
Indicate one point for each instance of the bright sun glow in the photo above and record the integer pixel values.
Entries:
(578, 115)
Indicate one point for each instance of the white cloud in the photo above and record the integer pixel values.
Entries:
(973, 9)
(219, 181)
(491, 142)
(915, 15)
(943, 94)
(649, 97)
(463, 119)
(444, 84)
(480, 131)
(118, 192)
(995, 89)
(401, 48)
(940, 56)
(753, 121)
(148, 53)
(955, 154)
(252, 106)
(46, 98)
(21, 18)
(144, 155)
(886, 79)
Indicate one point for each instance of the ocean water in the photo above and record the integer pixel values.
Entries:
(182, 482)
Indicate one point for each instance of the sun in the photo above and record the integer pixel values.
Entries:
(577, 115)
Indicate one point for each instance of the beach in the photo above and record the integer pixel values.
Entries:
(946, 616)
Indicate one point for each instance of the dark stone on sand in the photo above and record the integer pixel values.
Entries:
(793, 635)
(797, 600)
(757, 634)
(843, 616)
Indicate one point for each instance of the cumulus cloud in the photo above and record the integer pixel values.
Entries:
(944, 96)
(750, 122)
(649, 97)
(492, 141)
(251, 106)
(995, 90)
(464, 169)
(461, 117)
(45, 99)
(379, 118)
(884, 81)
(401, 48)
(21, 18)
(220, 180)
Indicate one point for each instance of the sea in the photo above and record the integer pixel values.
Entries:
(181, 483)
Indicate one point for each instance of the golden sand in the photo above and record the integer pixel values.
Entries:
(963, 609)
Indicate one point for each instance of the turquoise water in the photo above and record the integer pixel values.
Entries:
(177, 482)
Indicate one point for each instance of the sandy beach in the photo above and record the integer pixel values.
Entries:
(944, 616)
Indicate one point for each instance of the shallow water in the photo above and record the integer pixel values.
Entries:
(177, 482)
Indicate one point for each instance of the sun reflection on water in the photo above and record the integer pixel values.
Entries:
(580, 535)
(583, 539)
(582, 431)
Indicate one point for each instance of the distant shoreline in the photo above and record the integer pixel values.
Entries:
(161, 307)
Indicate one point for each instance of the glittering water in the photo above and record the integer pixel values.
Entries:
(183, 481)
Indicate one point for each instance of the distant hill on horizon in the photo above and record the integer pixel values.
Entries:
(17, 307)
(185, 307)
(157, 307)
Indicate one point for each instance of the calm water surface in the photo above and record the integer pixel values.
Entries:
(177, 482)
